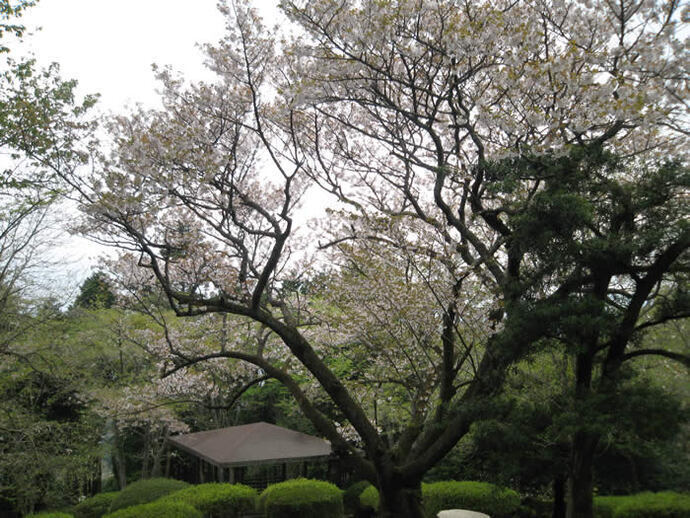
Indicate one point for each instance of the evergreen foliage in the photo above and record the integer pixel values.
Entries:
(482, 497)
(145, 491)
(95, 293)
(217, 500)
(159, 509)
(302, 498)
(95, 506)
(351, 495)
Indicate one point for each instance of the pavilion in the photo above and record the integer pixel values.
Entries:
(255, 454)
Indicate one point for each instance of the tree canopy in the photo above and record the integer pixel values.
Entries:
(505, 176)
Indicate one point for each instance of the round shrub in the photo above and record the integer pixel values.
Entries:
(157, 510)
(369, 498)
(485, 498)
(351, 496)
(605, 506)
(95, 506)
(146, 491)
(217, 500)
(302, 498)
(666, 504)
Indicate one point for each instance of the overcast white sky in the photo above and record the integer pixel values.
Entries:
(109, 47)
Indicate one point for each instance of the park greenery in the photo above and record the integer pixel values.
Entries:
(490, 311)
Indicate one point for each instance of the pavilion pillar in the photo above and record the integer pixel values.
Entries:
(221, 474)
(231, 475)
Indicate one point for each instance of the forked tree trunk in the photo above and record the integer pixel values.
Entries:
(580, 481)
(396, 501)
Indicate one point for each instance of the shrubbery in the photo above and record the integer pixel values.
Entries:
(217, 500)
(146, 491)
(50, 514)
(302, 498)
(605, 506)
(486, 498)
(96, 506)
(160, 509)
(351, 496)
(643, 505)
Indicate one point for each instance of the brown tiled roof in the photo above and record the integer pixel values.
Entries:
(256, 443)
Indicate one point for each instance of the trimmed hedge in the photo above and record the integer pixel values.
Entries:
(485, 498)
(95, 506)
(302, 498)
(370, 498)
(605, 506)
(666, 504)
(351, 496)
(49, 514)
(217, 500)
(157, 510)
(146, 491)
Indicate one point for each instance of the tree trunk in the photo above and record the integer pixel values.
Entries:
(580, 482)
(559, 507)
(397, 501)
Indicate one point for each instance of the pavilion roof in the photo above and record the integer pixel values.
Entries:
(256, 443)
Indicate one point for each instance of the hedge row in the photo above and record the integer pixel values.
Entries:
(485, 498)
(666, 504)
(302, 498)
(158, 509)
(217, 500)
(145, 491)
(96, 506)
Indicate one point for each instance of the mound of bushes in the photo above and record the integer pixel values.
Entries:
(351, 496)
(486, 498)
(217, 500)
(605, 506)
(666, 504)
(50, 514)
(95, 506)
(302, 498)
(146, 491)
(159, 509)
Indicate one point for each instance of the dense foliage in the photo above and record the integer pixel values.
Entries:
(159, 509)
(302, 498)
(217, 500)
(95, 506)
(145, 491)
(474, 496)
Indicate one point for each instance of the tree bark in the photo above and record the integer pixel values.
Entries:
(559, 505)
(581, 481)
(400, 501)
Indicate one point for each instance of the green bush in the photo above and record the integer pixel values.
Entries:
(217, 500)
(158, 509)
(605, 506)
(146, 491)
(302, 498)
(96, 506)
(50, 514)
(654, 505)
(370, 498)
(351, 496)
(485, 498)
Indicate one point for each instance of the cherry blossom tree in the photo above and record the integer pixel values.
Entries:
(439, 129)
